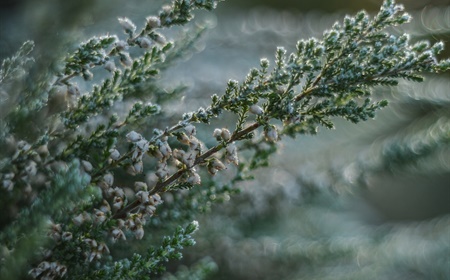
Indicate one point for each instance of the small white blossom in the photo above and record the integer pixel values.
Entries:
(217, 133)
(140, 186)
(138, 232)
(127, 24)
(121, 45)
(183, 138)
(194, 179)
(125, 59)
(138, 167)
(255, 109)
(87, 166)
(226, 135)
(110, 66)
(114, 154)
(190, 130)
(133, 136)
(153, 22)
(108, 178)
(118, 203)
(271, 134)
(145, 42)
(142, 196)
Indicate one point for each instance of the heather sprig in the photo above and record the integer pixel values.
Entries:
(98, 135)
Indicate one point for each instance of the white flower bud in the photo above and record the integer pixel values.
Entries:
(153, 22)
(110, 66)
(121, 45)
(271, 134)
(108, 178)
(142, 196)
(217, 133)
(190, 130)
(133, 136)
(142, 145)
(117, 203)
(226, 135)
(144, 42)
(114, 154)
(99, 216)
(87, 166)
(140, 186)
(127, 25)
(183, 138)
(139, 167)
(118, 234)
(66, 236)
(125, 59)
(255, 109)
(165, 150)
(105, 208)
(217, 164)
(194, 179)
(139, 232)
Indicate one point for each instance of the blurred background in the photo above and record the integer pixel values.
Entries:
(366, 201)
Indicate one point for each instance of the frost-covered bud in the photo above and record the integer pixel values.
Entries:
(194, 179)
(73, 90)
(127, 25)
(144, 42)
(271, 133)
(255, 109)
(139, 232)
(130, 170)
(138, 167)
(117, 203)
(231, 154)
(125, 59)
(149, 210)
(165, 150)
(160, 39)
(226, 135)
(183, 138)
(99, 216)
(117, 233)
(31, 168)
(140, 186)
(110, 66)
(8, 184)
(87, 166)
(133, 136)
(153, 22)
(105, 207)
(87, 75)
(157, 199)
(178, 154)
(114, 154)
(121, 45)
(81, 218)
(116, 192)
(162, 172)
(195, 145)
(217, 164)
(66, 236)
(217, 133)
(142, 196)
(108, 178)
(190, 130)
(142, 145)
(189, 159)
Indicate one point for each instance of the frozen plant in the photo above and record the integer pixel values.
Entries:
(74, 190)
